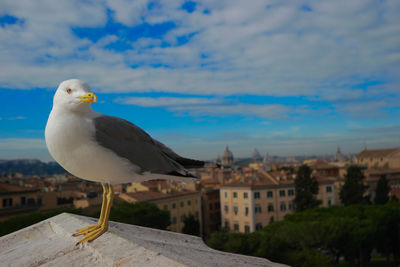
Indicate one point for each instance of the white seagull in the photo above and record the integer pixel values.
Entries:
(105, 149)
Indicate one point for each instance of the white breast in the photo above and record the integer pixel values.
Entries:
(70, 139)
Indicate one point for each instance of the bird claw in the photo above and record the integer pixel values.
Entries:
(87, 229)
(93, 234)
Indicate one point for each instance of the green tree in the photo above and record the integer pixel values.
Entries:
(191, 225)
(382, 191)
(353, 189)
(140, 213)
(306, 189)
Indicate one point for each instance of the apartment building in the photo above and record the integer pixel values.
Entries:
(179, 204)
(379, 158)
(251, 203)
(211, 210)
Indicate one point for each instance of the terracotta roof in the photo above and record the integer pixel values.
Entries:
(12, 188)
(377, 153)
(322, 164)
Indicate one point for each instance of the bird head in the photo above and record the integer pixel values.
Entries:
(74, 95)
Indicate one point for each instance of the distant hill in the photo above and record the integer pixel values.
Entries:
(30, 167)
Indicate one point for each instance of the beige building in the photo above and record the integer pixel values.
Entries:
(250, 204)
(179, 204)
(15, 200)
(379, 158)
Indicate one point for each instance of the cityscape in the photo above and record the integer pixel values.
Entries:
(234, 197)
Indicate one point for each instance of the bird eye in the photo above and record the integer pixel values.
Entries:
(69, 90)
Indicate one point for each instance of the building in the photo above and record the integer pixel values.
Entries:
(211, 210)
(179, 204)
(392, 176)
(253, 202)
(379, 158)
(15, 200)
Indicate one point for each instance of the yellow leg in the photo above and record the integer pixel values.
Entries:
(92, 227)
(92, 235)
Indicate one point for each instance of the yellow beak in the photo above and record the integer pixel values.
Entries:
(88, 97)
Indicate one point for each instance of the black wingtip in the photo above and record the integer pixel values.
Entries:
(190, 163)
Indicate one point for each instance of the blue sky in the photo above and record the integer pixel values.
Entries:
(287, 77)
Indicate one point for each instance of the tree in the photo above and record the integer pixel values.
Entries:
(140, 213)
(306, 188)
(382, 191)
(353, 189)
(191, 225)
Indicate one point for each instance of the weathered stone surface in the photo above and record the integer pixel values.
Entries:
(50, 243)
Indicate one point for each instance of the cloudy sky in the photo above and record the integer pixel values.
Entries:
(287, 77)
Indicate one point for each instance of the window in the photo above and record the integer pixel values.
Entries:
(258, 226)
(283, 206)
(227, 224)
(235, 210)
(269, 194)
(236, 226)
(31, 201)
(247, 228)
(245, 195)
(216, 205)
(197, 214)
(246, 211)
(226, 208)
(329, 189)
(291, 205)
(189, 202)
(329, 202)
(173, 205)
(234, 194)
(23, 200)
(226, 194)
(7, 202)
(270, 207)
(256, 195)
(290, 192)
(257, 209)
(182, 204)
(182, 218)
(281, 193)
(174, 220)
(165, 207)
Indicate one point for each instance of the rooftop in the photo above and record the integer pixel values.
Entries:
(376, 153)
(12, 188)
(50, 243)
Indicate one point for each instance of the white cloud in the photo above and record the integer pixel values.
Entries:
(205, 106)
(166, 101)
(239, 47)
(16, 118)
(22, 143)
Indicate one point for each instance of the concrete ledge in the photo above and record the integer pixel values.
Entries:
(50, 243)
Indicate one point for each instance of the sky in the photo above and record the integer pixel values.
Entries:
(287, 77)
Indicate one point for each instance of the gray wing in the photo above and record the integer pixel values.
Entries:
(131, 142)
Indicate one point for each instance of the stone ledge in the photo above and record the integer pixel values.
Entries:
(50, 243)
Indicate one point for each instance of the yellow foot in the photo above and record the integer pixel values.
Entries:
(87, 229)
(92, 235)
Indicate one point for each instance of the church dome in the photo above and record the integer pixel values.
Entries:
(227, 157)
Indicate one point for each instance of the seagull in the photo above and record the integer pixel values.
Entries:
(106, 149)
